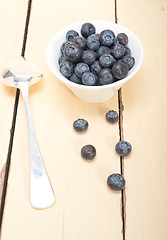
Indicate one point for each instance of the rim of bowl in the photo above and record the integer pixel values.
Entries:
(70, 83)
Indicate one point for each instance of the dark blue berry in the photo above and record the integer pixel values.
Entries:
(73, 52)
(89, 79)
(70, 35)
(106, 60)
(123, 148)
(117, 50)
(122, 38)
(102, 50)
(120, 70)
(107, 38)
(63, 46)
(75, 79)
(80, 125)
(95, 68)
(116, 182)
(88, 152)
(127, 51)
(87, 29)
(129, 61)
(80, 41)
(92, 42)
(66, 68)
(105, 77)
(112, 116)
(81, 68)
(89, 56)
(61, 58)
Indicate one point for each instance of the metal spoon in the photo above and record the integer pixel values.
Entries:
(22, 74)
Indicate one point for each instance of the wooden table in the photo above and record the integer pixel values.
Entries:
(85, 208)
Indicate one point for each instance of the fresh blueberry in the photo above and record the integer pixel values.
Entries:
(89, 79)
(66, 68)
(70, 35)
(129, 61)
(63, 46)
(112, 116)
(73, 52)
(122, 38)
(75, 79)
(95, 68)
(106, 60)
(61, 58)
(120, 70)
(107, 38)
(127, 51)
(88, 152)
(92, 42)
(80, 125)
(116, 182)
(87, 29)
(89, 56)
(105, 76)
(80, 41)
(102, 50)
(81, 68)
(117, 50)
(123, 148)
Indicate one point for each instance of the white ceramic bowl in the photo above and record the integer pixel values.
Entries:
(93, 94)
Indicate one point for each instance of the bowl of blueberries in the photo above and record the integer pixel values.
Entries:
(94, 59)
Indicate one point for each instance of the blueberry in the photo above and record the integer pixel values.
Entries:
(70, 35)
(88, 152)
(75, 79)
(120, 70)
(123, 148)
(117, 50)
(89, 56)
(61, 58)
(66, 68)
(63, 46)
(107, 38)
(89, 79)
(106, 60)
(73, 52)
(112, 116)
(95, 68)
(105, 77)
(92, 42)
(129, 61)
(127, 51)
(81, 68)
(80, 41)
(80, 125)
(102, 50)
(116, 182)
(87, 29)
(122, 38)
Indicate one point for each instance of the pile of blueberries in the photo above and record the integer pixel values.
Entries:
(95, 59)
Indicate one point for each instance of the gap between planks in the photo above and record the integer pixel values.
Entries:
(6, 168)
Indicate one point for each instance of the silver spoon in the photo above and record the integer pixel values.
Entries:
(22, 74)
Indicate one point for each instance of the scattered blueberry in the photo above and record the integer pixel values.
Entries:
(106, 60)
(88, 152)
(105, 76)
(66, 68)
(81, 68)
(89, 79)
(73, 52)
(70, 35)
(61, 58)
(102, 50)
(87, 29)
(116, 182)
(112, 116)
(129, 61)
(107, 38)
(122, 38)
(95, 68)
(80, 41)
(123, 148)
(120, 70)
(117, 50)
(75, 79)
(93, 41)
(89, 56)
(80, 125)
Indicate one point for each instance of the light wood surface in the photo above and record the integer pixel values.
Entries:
(85, 208)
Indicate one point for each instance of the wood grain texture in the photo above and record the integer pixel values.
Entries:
(85, 208)
(144, 122)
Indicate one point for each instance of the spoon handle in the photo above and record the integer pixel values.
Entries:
(41, 193)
